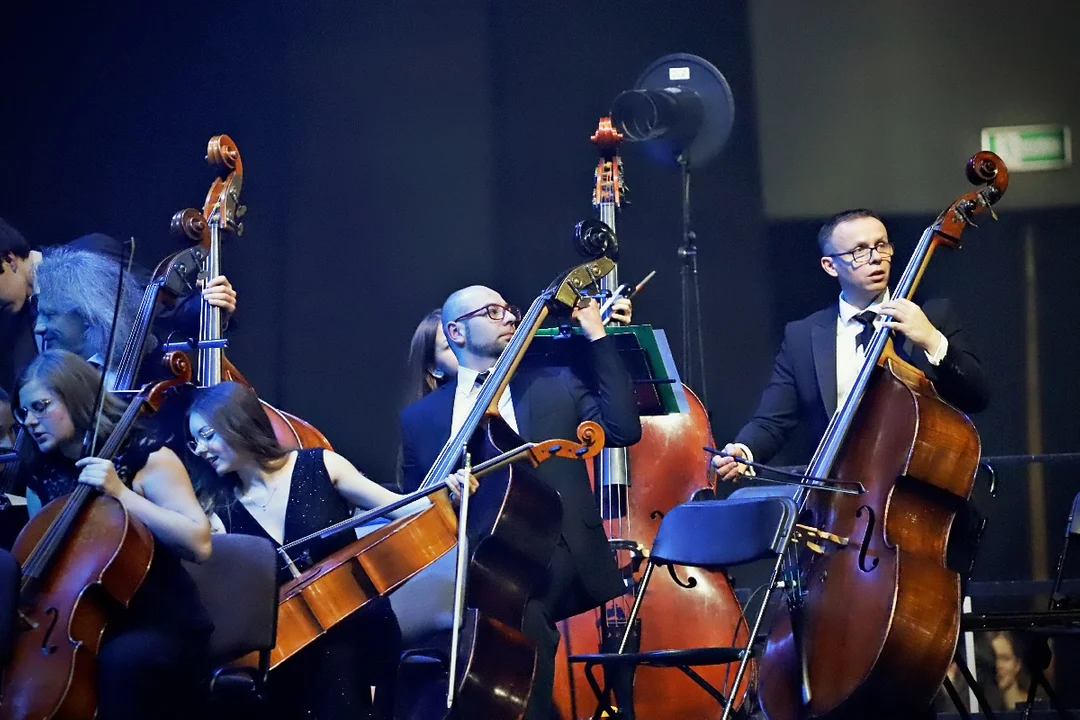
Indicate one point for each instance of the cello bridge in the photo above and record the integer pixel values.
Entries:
(816, 540)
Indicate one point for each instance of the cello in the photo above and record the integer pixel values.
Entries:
(635, 486)
(80, 556)
(221, 213)
(500, 660)
(381, 561)
(873, 621)
(174, 276)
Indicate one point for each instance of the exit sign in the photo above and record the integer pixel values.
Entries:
(1030, 147)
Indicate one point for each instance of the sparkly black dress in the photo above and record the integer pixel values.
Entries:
(330, 678)
(152, 662)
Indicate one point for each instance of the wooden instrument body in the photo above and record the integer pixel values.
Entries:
(514, 524)
(667, 467)
(873, 622)
(52, 673)
(881, 617)
(374, 565)
(292, 433)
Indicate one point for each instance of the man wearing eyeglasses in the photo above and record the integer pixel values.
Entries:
(822, 353)
(539, 404)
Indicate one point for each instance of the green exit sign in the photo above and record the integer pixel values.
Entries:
(1030, 147)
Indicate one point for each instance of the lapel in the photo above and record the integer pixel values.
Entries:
(521, 395)
(442, 412)
(823, 347)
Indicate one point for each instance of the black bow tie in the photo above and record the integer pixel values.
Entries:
(481, 378)
(867, 318)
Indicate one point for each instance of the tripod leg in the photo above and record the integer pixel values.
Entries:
(957, 701)
(1037, 679)
(976, 689)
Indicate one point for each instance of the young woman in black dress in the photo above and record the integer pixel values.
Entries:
(152, 660)
(265, 490)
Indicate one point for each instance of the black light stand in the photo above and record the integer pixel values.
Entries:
(1038, 654)
(682, 111)
(692, 320)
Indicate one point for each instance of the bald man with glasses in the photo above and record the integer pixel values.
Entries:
(540, 403)
(821, 354)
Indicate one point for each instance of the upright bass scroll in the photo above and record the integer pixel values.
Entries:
(221, 214)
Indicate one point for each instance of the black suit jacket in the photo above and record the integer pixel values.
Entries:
(17, 345)
(803, 384)
(549, 402)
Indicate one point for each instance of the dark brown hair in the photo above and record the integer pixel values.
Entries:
(12, 241)
(418, 368)
(237, 417)
(825, 233)
(75, 382)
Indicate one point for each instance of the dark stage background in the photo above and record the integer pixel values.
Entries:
(390, 157)
(396, 152)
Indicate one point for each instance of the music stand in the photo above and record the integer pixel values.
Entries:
(644, 350)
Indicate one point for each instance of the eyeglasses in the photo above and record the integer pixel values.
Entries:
(861, 255)
(204, 437)
(38, 407)
(494, 311)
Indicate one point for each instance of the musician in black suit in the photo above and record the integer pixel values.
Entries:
(821, 354)
(17, 314)
(541, 403)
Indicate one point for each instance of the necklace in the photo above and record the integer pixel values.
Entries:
(247, 500)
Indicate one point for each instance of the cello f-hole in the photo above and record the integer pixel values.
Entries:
(54, 616)
(865, 546)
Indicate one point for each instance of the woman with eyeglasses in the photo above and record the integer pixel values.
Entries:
(152, 660)
(260, 488)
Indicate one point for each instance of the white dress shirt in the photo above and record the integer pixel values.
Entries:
(465, 395)
(849, 357)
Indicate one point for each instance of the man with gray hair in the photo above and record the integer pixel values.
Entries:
(77, 300)
(65, 298)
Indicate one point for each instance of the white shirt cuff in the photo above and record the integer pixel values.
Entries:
(939, 354)
(746, 469)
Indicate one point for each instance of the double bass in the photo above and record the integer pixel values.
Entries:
(513, 529)
(81, 557)
(873, 621)
(635, 487)
(221, 214)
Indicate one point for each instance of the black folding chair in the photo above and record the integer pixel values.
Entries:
(238, 587)
(10, 577)
(752, 524)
